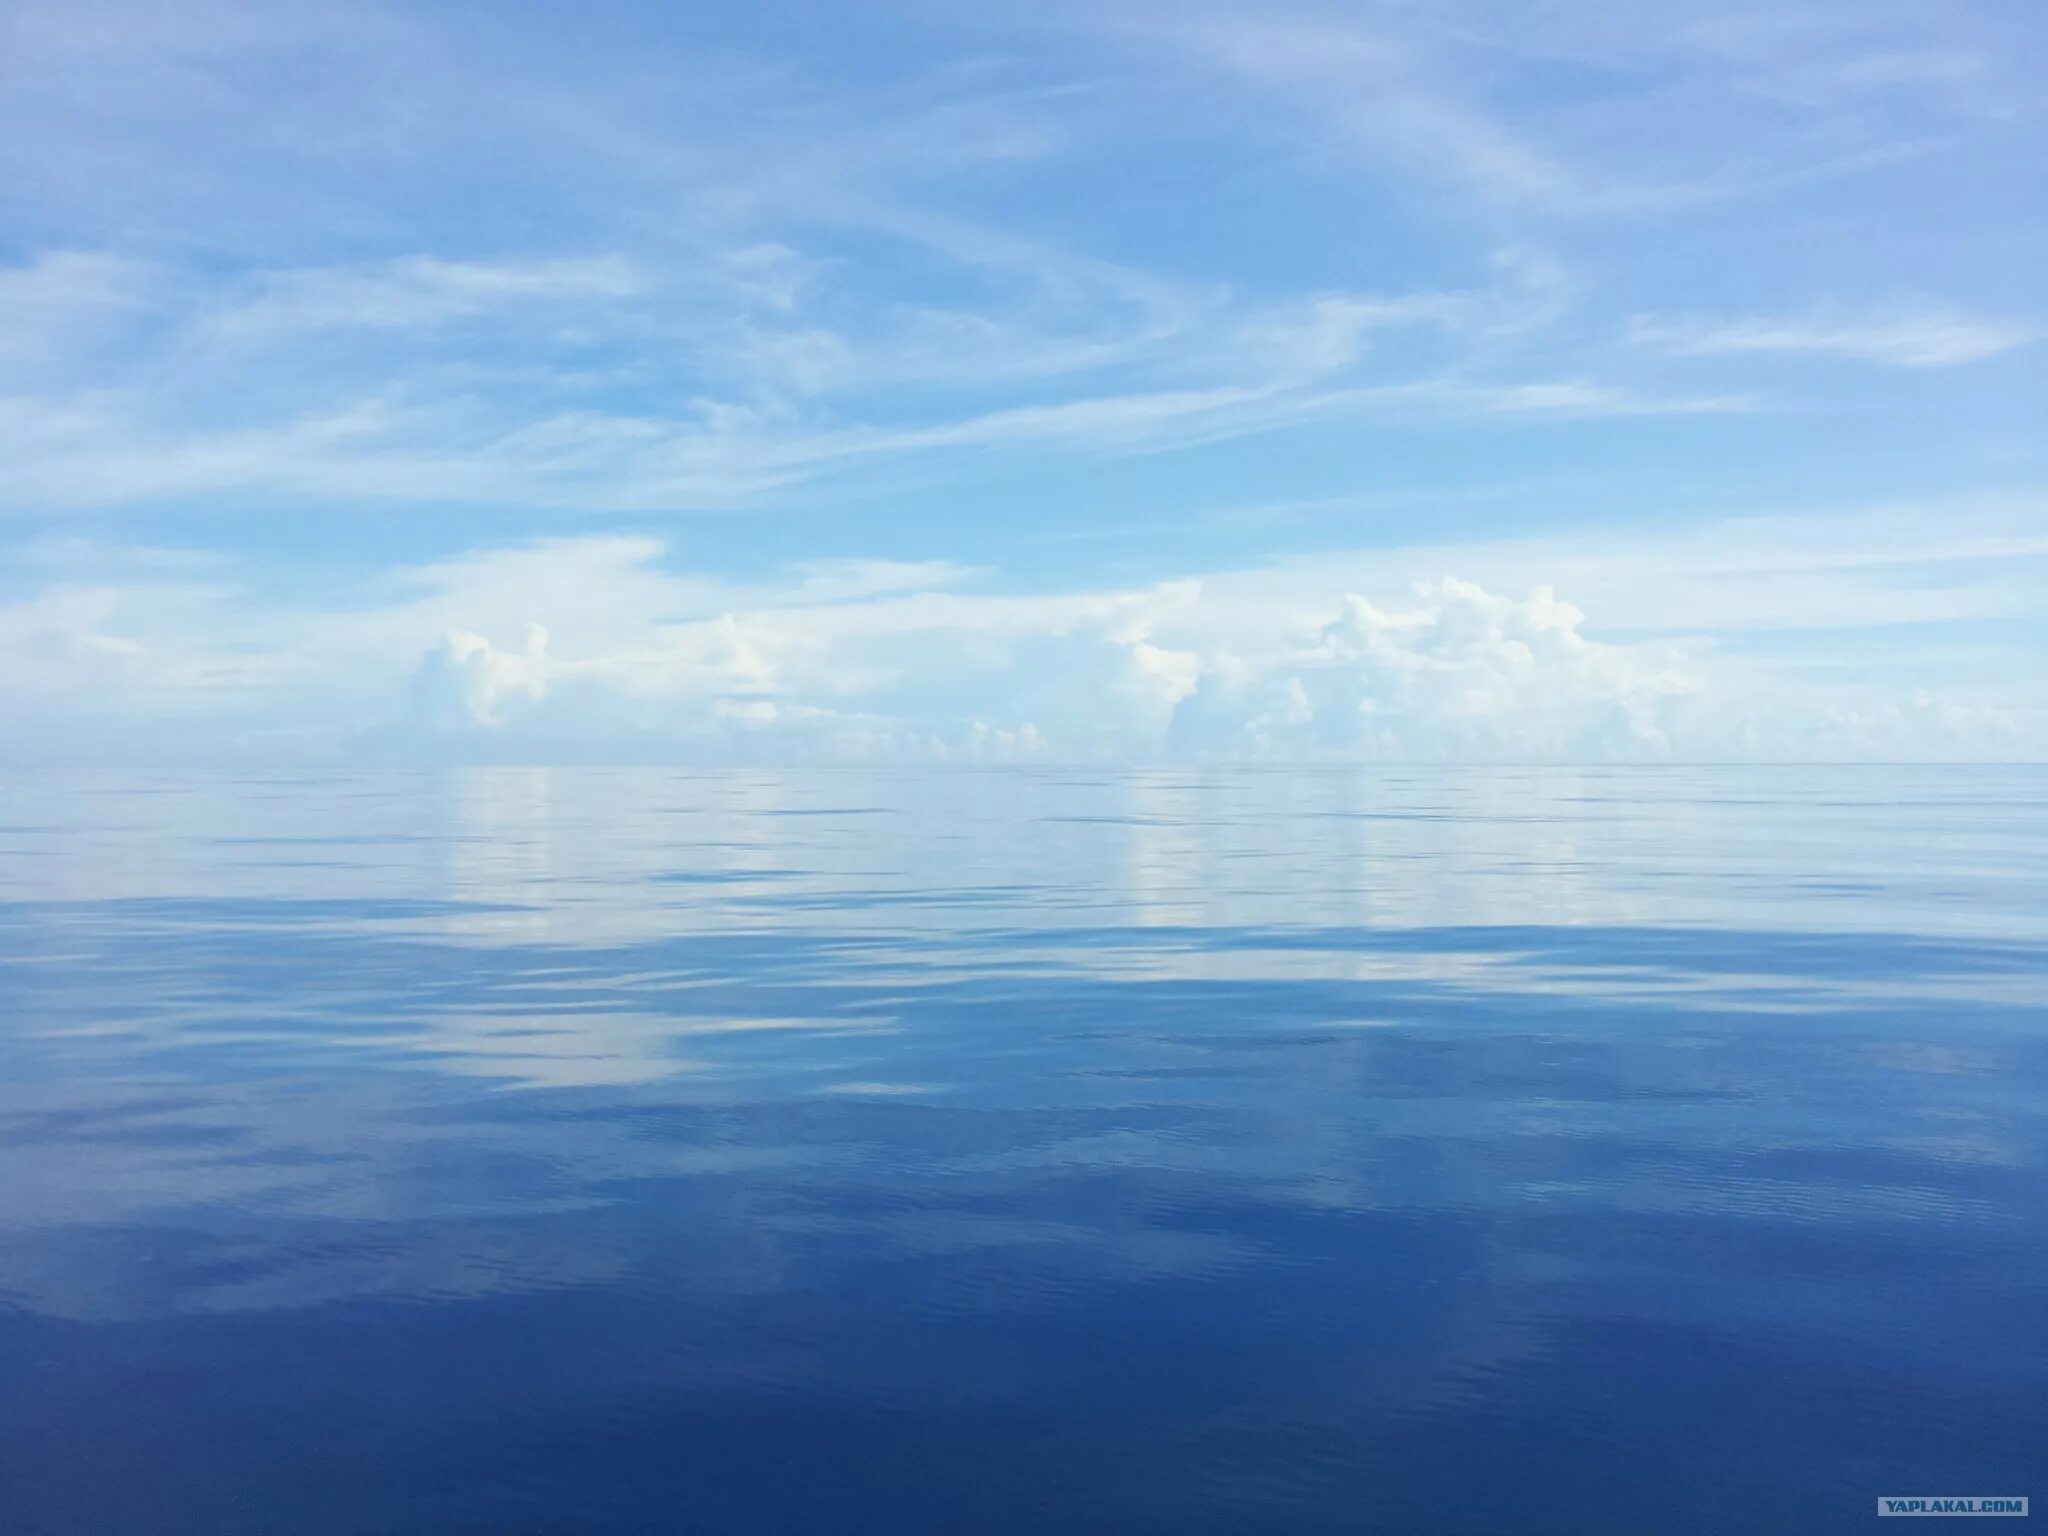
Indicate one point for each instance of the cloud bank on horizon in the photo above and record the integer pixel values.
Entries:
(1120, 381)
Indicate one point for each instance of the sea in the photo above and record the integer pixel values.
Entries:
(1179, 1150)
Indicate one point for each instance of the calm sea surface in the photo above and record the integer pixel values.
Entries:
(1402, 1150)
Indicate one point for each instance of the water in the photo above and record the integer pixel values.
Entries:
(1482, 1151)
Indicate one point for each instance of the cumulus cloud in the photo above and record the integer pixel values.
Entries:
(1455, 671)
(1099, 679)
(1471, 660)
(468, 680)
(598, 650)
(1459, 672)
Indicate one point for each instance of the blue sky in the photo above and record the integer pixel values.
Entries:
(1121, 381)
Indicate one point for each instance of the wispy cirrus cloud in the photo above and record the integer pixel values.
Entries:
(96, 454)
(1377, 88)
(1926, 338)
(1436, 97)
(413, 292)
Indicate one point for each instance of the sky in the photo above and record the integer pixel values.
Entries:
(802, 381)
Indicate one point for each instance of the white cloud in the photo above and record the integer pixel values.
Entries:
(1430, 94)
(467, 680)
(347, 263)
(60, 302)
(62, 638)
(1500, 672)
(1456, 672)
(595, 650)
(1381, 93)
(97, 451)
(838, 581)
(413, 292)
(1918, 339)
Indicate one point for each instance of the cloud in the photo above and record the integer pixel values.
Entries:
(730, 292)
(58, 300)
(62, 638)
(1464, 100)
(414, 292)
(1918, 339)
(598, 649)
(102, 450)
(466, 680)
(1888, 569)
(1457, 672)
(838, 581)
(1377, 90)
(316, 295)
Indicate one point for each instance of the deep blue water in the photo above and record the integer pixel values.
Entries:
(1402, 1150)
